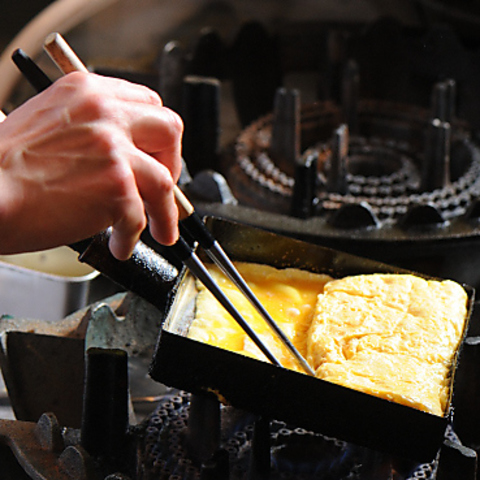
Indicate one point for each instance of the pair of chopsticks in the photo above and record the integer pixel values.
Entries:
(67, 61)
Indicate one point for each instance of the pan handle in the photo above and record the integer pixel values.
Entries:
(146, 273)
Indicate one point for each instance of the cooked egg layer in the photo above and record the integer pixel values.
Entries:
(392, 336)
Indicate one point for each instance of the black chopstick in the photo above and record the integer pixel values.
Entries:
(32, 72)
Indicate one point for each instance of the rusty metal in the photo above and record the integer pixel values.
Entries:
(382, 169)
(200, 113)
(260, 463)
(254, 448)
(132, 325)
(77, 464)
(34, 366)
(165, 452)
(254, 66)
(38, 450)
(376, 212)
(49, 433)
(285, 142)
(171, 70)
(337, 172)
(390, 94)
(304, 191)
(444, 98)
(203, 433)
(105, 405)
(350, 95)
(436, 165)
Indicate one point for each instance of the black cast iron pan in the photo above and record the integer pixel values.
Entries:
(282, 394)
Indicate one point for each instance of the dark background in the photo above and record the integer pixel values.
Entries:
(15, 14)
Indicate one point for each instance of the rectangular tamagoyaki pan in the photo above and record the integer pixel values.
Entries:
(279, 393)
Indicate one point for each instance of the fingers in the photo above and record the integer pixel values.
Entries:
(147, 193)
(122, 242)
(156, 167)
(135, 109)
(129, 219)
(159, 134)
(156, 187)
(155, 132)
(111, 153)
(89, 85)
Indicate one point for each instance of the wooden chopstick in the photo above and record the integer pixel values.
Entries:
(62, 54)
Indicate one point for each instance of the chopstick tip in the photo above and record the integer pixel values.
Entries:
(52, 38)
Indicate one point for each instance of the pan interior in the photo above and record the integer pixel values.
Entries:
(182, 311)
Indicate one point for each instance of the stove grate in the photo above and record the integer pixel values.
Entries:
(294, 453)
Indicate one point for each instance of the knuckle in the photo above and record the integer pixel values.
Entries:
(151, 96)
(74, 82)
(166, 184)
(139, 223)
(86, 99)
(176, 123)
(172, 128)
(122, 179)
(132, 219)
(103, 141)
(163, 183)
(95, 107)
(74, 79)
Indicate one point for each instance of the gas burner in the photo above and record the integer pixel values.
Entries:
(383, 170)
(381, 158)
(362, 176)
(172, 449)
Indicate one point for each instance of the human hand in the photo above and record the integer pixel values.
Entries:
(89, 153)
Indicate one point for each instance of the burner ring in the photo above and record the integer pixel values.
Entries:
(382, 172)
